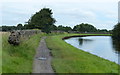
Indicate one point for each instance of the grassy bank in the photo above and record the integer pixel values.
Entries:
(0, 52)
(68, 59)
(19, 59)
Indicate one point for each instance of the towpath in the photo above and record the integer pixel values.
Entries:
(42, 60)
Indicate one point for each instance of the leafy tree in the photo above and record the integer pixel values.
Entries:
(53, 27)
(110, 31)
(63, 28)
(103, 30)
(67, 29)
(26, 26)
(75, 28)
(84, 28)
(19, 26)
(60, 27)
(0, 28)
(42, 20)
(9, 28)
(116, 31)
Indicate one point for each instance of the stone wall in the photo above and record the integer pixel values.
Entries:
(15, 36)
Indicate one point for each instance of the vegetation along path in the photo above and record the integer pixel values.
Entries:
(42, 60)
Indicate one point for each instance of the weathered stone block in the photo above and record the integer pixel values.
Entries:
(14, 38)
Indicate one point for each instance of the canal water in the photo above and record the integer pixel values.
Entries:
(102, 46)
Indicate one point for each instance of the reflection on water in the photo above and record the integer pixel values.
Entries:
(85, 40)
(116, 45)
(103, 46)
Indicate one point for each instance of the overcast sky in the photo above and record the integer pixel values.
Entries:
(119, 12)
(103, 14)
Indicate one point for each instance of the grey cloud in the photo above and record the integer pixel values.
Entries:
(119, 11)
(66, 12)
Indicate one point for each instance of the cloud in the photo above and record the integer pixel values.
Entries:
(119, 12)
(98, 1)
(66, 12)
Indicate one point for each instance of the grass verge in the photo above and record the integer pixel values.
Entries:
(19, 59)
(0, 53)
(68, 59)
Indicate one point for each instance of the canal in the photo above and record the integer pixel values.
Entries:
(102, 46)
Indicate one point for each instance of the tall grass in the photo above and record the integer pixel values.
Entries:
(1, 52)
(19, 59)
(68, 59)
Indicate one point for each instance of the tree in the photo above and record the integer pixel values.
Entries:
(64, 28)
(60, 27)
(9, 28)
(103, 31)
(42, 20)
(26, 26)
(116, 31)
(84, 28)
(19, 26)
(53, 27)
(67, 29)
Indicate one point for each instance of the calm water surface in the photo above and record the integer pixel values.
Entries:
(102, 46)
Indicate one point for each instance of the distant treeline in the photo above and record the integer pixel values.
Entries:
(44, 21)
(84, 28)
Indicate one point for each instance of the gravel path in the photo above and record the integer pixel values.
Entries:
(42, 60)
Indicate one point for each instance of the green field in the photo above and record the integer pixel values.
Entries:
(19, 59)
(68, 59)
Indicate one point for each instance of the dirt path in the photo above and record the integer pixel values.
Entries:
(42, 60)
